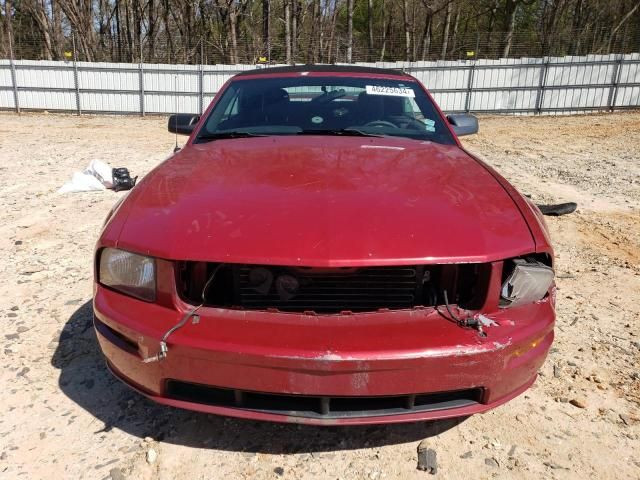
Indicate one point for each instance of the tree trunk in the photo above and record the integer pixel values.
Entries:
(311, 46)
(349, 31)
(188, 28)
(407, 31)
(426, 36)
(370, 29)
(577, 27)
(454, 37)
(151, 32)
(332, 32)
(287, 30)
(118, 31)
(414, 43)
(320, 34)
(138, 15)
(58, 37)
(167, 28)
(492, 19)
(127, 31)
(510, 16)
(233, 33)
(294, 31)
(8, 6)
(266, 38)
(386, 30)
(445, 34)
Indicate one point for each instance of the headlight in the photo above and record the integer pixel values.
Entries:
(528, 282)
(128, 273)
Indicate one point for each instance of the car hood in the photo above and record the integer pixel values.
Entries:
(323, 201)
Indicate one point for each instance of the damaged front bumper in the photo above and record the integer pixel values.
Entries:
(366, 368)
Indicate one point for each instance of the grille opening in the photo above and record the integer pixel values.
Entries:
(321, 407)
(333, 290)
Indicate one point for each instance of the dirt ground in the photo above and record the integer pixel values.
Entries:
(64, 416)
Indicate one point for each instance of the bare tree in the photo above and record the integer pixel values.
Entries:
(445, 33)
(407, 30)
(622, 22)
(294, 30)
(454, 36)
(349, 31)
(287, 30)
(80, 16)
(385, 31)
(8, 27)
(266, 36)
(370, 29)
(511, 9)
(37, 10)
(313, 48)
(315, 30)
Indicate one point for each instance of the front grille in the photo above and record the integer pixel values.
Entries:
(330, 290)
(333, 290)
(321, 407)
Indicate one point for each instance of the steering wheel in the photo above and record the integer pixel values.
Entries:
(380, 123)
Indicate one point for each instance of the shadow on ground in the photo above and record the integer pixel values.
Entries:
(85, 379)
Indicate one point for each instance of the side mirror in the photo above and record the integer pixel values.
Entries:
(463, 123)
(182, 123)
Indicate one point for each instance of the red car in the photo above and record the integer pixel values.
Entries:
(323, 250)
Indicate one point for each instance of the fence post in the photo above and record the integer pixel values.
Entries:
(615, 80)
(75, 75)
(467, 103)
(14, 81)
(141, 81)
(542, 84)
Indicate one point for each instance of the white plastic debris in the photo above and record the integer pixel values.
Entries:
(97, 176)
(102, 171)
(82, 182)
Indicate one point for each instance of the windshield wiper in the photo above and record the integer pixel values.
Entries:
(354, 132)
(225, 135)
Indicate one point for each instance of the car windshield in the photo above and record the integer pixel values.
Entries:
(321, 105)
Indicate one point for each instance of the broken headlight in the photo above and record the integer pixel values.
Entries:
(528, 282)
(128, 273)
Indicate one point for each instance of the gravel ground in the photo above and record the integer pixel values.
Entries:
(64, 416)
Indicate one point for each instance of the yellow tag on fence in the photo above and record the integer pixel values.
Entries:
(68, 55)
(471, 54)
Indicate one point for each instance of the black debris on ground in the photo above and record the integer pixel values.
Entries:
(559, 209)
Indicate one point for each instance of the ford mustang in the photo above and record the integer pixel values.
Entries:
(323, 250)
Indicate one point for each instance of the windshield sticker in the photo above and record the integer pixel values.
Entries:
(390, 91)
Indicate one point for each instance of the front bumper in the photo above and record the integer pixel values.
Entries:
(359, 356)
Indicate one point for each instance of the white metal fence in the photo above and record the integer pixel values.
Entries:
(526, 85)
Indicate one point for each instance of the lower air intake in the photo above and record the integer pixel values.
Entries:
(321, 407)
